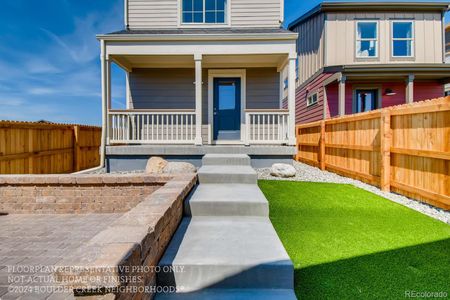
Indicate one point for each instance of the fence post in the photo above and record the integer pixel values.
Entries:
(385, 148)
(76, 148)
(322, 146)
(30, 151)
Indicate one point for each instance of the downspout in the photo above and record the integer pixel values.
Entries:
(104, 112)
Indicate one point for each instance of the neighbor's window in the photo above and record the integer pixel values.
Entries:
(402, 39)
(204, 11)
(367, 39)
(311, 100)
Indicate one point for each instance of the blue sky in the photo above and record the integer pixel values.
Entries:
(49, 57)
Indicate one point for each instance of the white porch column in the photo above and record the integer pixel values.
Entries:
(291, 98)
(105, 67)
(198, 99)
(341, 100)
(410, 89)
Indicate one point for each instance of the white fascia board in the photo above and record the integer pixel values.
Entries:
(201, 47)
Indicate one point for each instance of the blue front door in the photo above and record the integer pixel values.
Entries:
(227, 109)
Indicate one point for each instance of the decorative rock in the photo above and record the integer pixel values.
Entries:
(283, 170)
(155, 165)
(179, 168)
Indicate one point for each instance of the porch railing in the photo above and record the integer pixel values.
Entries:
(267, 126)
(151, 126)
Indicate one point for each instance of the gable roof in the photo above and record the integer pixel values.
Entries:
(371, 6)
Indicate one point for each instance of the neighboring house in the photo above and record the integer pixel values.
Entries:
(355, 57)
(200, 73)
(447, 54)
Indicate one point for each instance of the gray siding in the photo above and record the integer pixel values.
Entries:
(263, 88)
(147, 14)
(152, 14)
(162, 88)
(310, 46)
(251, 13)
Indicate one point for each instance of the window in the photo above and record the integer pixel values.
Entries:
(367, 39)
(203, 11)
(311, 100)
(402, 39)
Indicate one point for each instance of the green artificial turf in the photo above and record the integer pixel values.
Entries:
(347, 243)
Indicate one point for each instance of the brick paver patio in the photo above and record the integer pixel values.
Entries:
(41, 240)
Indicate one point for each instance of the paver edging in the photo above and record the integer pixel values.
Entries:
(137, 239)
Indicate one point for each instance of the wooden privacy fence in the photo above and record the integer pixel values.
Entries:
(404, 149)
(46, 148)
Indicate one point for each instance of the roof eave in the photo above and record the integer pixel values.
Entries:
(438, 67)
(197, 37)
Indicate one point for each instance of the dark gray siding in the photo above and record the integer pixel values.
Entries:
(162, 88)
(263, 88)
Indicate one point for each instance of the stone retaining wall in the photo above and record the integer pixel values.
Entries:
(118, 263)
(79, 194)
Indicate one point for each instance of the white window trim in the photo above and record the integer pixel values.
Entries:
(227, 22)
(310, 96)
(412, 39)
(377, 40)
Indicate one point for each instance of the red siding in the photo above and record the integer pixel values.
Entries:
(422, 91)
(313, 113)
(428, 90)
(399, 88)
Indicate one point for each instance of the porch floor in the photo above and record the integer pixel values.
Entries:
(200, 150)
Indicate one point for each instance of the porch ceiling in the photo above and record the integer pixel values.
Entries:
(209, 61)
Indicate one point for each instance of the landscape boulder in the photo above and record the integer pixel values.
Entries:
(156, 165)
(283, 170)
(179, 168)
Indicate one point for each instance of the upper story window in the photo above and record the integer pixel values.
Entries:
(402, 39)
(204, 11)
(366, 39)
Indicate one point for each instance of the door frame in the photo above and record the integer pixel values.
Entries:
(356, 87)
(225, 73)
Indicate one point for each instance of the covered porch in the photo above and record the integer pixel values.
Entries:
(357, 89)
(216, 90)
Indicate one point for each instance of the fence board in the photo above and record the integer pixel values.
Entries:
(405, 148)
(42, 148)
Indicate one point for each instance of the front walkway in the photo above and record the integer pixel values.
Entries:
(32, 244)
(226, 246)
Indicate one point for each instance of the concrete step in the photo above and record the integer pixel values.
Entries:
(240, 294)
(227, 174)
(226, 253)
(227, 200)
(226, 160)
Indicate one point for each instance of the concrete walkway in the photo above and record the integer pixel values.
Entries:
(226, 246)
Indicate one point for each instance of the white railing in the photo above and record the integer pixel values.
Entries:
(151, 126)
(266, 126)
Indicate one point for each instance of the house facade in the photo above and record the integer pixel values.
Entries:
(356, 57)
(202, 76)
(447, 54)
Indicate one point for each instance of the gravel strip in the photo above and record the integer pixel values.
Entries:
(312, 174)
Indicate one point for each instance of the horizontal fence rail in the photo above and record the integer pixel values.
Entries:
(47, 148)
(151, 127)
(267, 126)
(404, 149)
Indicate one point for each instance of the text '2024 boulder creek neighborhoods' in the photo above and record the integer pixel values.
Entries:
(260, 150)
